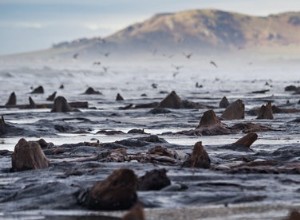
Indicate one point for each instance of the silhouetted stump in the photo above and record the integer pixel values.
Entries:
(246, 141)
(61, 105)
(119, 97)
(224, 103)
(294, 215)
(12, 100)
(290, 88)
(31, 103)
(235, 110)
(51, 97)
(154, 180)
(38, 90)
(199, 158)
(171, 101)
(116, 192)
(91, 91)
(28, 155)
(135, 213)
(265, 112)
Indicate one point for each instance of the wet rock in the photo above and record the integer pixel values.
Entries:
(159, 111)
(129, 106)
(261, 91)
(135, 213)
(38, 90)
(278, 110)
(110, 132)
(246, 141)
(144, 95)
(224, 103)
(119, 97)
(171, 101)
(199, 158)
(61, 105)
(235, 110)
(163, 151)
(250, 127)
(61, 86)
(136, 131)
(147, 105)
(154, 180)
(265, 112)
(2, 126)
(91, 91)
(116, 192)
(51, 97)
(28, 155)
(12, 100)
(31, 103)
(44, 144)
(290, 88)
(294, 215)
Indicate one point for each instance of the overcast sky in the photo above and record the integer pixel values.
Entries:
(27, 25)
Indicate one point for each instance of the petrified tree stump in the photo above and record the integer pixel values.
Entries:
(171, 101)
(154, 180)
(224, 103)
(235, 110)
(116, 192)
(265, 112)
(12, 100)
(28, 155)
(51, 97)
(135, 213)
(199, 157)
(61, 105)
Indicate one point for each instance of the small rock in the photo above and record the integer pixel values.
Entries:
(12, 100)
(119, 97)
(154, 180)
(135, 213)
(28, 155)
(265, 112)
(38, 90)
(136, 131)
(51, 97)
(171, 101)
(224, 103)
(61, 86)
(199, 157)
(235, 110)
(61, 105)
(91, 91)
(159, 111)
(116, 192)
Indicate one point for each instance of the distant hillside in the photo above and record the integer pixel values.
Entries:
(196, 31)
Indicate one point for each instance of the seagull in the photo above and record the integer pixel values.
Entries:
(75, 55)
(177, 67)
(175, 74)
(105, 69)
(97, 63)
(188, 56)
(214, 64)
(106, 54)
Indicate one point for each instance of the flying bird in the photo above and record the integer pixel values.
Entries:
(105, 69)
(214, 64)
(97, 63)
(75, 55)
(188, 56)
(175, 74)
(177, 67)
(106, 54)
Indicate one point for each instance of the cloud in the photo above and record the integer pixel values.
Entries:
(21, 24)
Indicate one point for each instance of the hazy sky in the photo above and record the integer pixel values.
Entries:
(27, 25)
